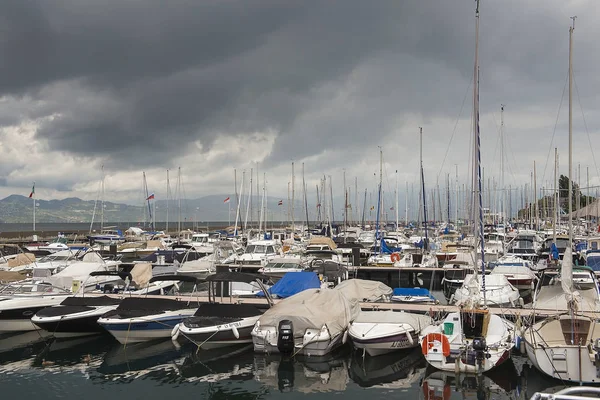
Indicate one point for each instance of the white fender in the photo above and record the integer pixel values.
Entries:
(345, 337)
(410, 338)
(235, 331)
(175, 333)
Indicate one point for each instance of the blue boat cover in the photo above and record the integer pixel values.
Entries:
(292, 283)
(411, 292)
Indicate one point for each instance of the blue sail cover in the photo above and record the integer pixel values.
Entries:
(554, 250)
(385, 249)
(292, 283)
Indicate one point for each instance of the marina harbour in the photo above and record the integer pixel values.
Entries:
(463, 299)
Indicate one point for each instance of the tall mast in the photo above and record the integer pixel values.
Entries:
(396, 206)
(477, 159)
(535, 208)
(457, 195)
(503, 195)
(345, 205)
(178, 200)
(571, 29)
(168, 198)
(426, 244)
(102, 203)
(356, 209)
(293, 200)
(305, 198)
(406, 206)
(556, 196)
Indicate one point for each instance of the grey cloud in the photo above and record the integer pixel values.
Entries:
(137, 82)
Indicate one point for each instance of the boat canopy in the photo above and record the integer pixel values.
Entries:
(292, 283)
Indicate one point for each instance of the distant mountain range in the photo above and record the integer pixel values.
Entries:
(19, 209)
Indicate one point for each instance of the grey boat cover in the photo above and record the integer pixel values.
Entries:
(365, 291)
(315, 308)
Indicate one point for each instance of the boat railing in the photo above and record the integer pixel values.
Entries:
(570, 393)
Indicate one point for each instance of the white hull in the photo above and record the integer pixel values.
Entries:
(313, 344)
(460, 355)
(549, 351)
(143, 329)
(17, 325)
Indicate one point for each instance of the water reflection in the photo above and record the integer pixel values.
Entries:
(500, 382)
(236, 372)
(398, 370)
(303, 374)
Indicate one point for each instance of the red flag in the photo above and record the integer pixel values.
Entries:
(226, 200)
(151, 197)
(32, 191)
(280, 203)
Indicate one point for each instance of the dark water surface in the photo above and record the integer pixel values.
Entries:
(97, 367)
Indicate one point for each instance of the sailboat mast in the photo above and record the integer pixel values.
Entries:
(571, 29)
(477, 160)
(304, 188)
(556, 196)
(102, 203)
(178, 200)
(293, 201)
(396, 205)
(503, 195)
(168, 198)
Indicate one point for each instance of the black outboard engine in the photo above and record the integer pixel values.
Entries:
(285, 338)
(480, 348)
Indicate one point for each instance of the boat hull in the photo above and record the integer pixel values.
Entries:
(215, 336)
(384, 344)
(71, 325)
(143, 329)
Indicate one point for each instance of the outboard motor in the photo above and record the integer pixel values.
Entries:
(480, 348)
(285, 337)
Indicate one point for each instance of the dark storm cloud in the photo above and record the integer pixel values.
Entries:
(140, 81)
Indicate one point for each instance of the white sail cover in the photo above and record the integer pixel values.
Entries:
(313, 308)
(566, 272)
(363, 290)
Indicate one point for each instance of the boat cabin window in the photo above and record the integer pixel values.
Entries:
(255, 248)
(594, 245)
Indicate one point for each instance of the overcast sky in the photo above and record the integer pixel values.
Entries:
(213, 85)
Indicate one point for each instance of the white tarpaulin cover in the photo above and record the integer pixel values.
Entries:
(334, 308)
(363, 290)
(313, 308)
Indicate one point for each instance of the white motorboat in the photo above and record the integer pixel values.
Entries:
(518, 272)
(380, 332)
(78, 315)
(279, 266)
(221, 324)
(143, 319)
(20, 302)
(314, 321)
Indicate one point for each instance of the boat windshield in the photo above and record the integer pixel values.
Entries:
(54, 258)
(282, 265)
(256, 248)
(593, 262)
(200, 239)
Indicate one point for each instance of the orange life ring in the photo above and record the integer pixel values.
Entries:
(428, 341)
(395, 257)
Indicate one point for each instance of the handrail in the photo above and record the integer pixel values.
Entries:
(570, 393)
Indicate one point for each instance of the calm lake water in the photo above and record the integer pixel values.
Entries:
(100, 368)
